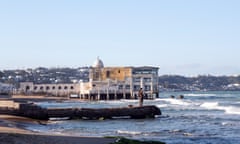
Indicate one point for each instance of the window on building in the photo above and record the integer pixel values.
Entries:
(97, 75)
(47, 88)
(120, 86)
(65, 87)
(127, 86)
(53, 87)
(119, 71)
(27, 88)
(147, 79)
(137, 79)
(147, 87)
(59, 87)
(155, 88)
(144, 71)
(41, 88)
(72, 87)
(108, 74)
(136, 87)
(35, 88)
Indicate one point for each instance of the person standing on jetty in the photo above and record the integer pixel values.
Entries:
(140, 97)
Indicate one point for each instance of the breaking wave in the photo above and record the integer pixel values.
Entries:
(210, 105)
(216, 106)
(128, 132)
(200, 95)
(161, 105)
(177, 102)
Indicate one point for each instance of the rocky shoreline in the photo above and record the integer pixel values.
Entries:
(13, 130)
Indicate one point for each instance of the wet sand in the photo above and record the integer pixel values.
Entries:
(11, 132)
(23, 138)
(12, 129)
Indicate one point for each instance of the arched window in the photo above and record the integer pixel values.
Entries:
(108, 74)
(27, 87)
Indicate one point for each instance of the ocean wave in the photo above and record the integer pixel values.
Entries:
(232, 110)
(176, 131)
(199, 95)
(59, 119)
(113, 102)
(129, 132)
(216, 106)
(177, 101)
(228, 124)
(210, 105)
(161, 105)
(129, 101)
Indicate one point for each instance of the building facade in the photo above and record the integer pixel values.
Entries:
(30, 88)
(108, 83)
(105, 83)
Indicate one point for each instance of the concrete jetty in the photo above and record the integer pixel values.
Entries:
(34, 111)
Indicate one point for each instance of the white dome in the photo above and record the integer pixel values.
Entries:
(98, 63)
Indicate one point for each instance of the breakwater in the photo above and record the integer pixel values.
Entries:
(32, 110)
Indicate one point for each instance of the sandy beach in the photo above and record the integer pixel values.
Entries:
(23, 138)
(13, 128)
(11, 132)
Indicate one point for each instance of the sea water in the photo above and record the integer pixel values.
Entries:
(201, 117)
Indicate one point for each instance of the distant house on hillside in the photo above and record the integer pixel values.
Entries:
(5, 88)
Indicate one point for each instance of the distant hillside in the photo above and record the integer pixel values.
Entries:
(175, 82)
(74, 75)
(45, 75)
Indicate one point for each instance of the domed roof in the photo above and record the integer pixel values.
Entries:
(98, 63)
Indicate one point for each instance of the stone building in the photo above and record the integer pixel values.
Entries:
(105, 83)
(29, 88)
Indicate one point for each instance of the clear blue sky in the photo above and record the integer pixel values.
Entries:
(186, 37)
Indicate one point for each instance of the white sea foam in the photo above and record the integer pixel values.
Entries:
(59, 119)
(113, 102)
(128, 132)
(230, 123)
(199, 95)
(129, 101)
(232, 110)
(120, 102)
(225, 123)
(210, 105)
(216, 106)
(177, 101)
(158, 99)
(162, 105)
(187, 134)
